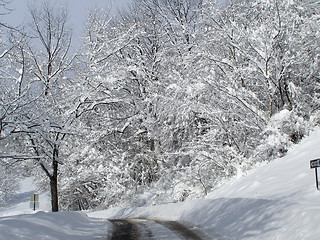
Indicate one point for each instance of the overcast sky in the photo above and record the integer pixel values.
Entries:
(77, 11)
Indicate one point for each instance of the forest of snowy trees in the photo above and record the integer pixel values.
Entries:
(160, 103)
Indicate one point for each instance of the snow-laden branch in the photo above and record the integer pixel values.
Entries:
(123, 45)
(20, 157)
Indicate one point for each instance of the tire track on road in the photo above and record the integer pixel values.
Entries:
(182, 230)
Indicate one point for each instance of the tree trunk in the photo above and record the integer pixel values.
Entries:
(54, 182)
(54, 194)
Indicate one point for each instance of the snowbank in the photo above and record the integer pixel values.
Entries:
(62, 225)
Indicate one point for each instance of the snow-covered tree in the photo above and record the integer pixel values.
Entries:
(11, 99)
(46, 109)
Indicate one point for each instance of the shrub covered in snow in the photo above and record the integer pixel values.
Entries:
(283, 130)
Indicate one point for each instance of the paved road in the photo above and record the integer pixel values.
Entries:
(142, 229)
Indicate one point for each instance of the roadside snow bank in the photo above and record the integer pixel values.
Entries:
(274, 201)
(61, 225)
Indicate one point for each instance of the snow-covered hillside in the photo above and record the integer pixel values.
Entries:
(278, 200)
(274, 201)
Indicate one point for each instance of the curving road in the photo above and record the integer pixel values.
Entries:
(143, 229)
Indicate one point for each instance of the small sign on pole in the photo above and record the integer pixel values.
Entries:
(34, 201)
(315, 164)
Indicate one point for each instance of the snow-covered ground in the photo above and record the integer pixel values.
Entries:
(20, 202)
(19, 222)
(274, 201)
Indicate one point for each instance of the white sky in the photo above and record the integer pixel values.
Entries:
(77, 11)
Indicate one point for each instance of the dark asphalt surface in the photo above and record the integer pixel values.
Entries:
(124, 230)
(143, 229)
